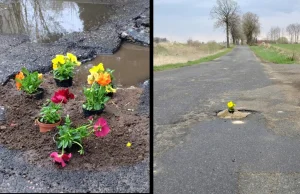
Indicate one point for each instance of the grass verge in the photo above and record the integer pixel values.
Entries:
(271, 55)
(189, 63)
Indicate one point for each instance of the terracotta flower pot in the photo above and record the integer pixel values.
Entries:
(64, 83)
(88, 113)
(46, 127)
(38, 95)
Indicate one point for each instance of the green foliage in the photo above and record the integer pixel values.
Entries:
(65, 71)
(95, 97)
(69, 135)
(189, 63)
(110, 71)
(50, 113)
(271, 55)
(31, 81)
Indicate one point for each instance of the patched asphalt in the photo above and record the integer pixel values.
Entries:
(197, 152)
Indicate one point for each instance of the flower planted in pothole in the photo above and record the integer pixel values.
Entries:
(230, 106)
(50, 116)
(29, 83)
(69, 138)
(96, 98)
(102, 77)
(63, 69)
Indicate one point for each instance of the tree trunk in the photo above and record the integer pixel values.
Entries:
(227, 34)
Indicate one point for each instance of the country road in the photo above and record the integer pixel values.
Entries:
(197, 152)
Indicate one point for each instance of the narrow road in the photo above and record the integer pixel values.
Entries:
(196, 152)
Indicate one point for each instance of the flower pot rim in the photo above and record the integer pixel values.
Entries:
(48, 123)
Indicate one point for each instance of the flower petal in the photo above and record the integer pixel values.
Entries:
(104, 131)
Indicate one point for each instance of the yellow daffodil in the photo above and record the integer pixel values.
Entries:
(97, 69)
(108, 89)
(54, 66)
(128, 144)
(230, 105)
(40, 76)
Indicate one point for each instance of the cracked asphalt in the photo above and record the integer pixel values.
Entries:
(197, 152)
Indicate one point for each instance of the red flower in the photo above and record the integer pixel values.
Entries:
(60, 158)
(62, 96)
(101, 128)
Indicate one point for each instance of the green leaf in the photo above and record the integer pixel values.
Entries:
(60, 144)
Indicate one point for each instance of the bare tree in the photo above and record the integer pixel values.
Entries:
(223, 11)
(297, 32)
(290, 31)
(251, 26)
(235, 28)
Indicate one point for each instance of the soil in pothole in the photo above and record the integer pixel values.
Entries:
(127, 125)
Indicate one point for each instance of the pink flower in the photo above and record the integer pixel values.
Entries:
(101, 128)
(60, 158)
(90, 118)
(62, 96)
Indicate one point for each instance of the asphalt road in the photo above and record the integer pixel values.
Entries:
(196, 152)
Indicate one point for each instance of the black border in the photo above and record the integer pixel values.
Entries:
(151, 97)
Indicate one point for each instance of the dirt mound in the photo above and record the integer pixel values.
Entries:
(19, 131)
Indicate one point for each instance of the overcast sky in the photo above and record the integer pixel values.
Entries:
(179, 20)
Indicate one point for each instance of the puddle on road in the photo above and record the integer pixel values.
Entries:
(131, 65)
(48, 20)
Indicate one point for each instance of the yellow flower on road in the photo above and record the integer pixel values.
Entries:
(128, 144)
(40, 76)
(230, 105)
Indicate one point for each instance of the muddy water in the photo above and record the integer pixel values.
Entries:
(48, 20)
(131, 65)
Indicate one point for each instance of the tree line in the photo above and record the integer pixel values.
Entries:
(277, 34)
(242, 28)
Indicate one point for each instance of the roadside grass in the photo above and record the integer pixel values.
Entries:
(271, 55)
(189, 63)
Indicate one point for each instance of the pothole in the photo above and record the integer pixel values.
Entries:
(237, 114)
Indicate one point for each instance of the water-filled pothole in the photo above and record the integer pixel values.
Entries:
(48, 20)
(130, 62)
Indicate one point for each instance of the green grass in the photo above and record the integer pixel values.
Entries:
(271, 55)
(189, 63)
(288, 46)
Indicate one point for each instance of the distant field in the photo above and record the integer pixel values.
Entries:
(171, 53)
(194, 62)
(291, 47)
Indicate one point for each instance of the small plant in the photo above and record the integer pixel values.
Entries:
(68, 136)
(96, 97)
(50, 113)
(63, 66)
(230, 106)
(28, 82)
(102, 77)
